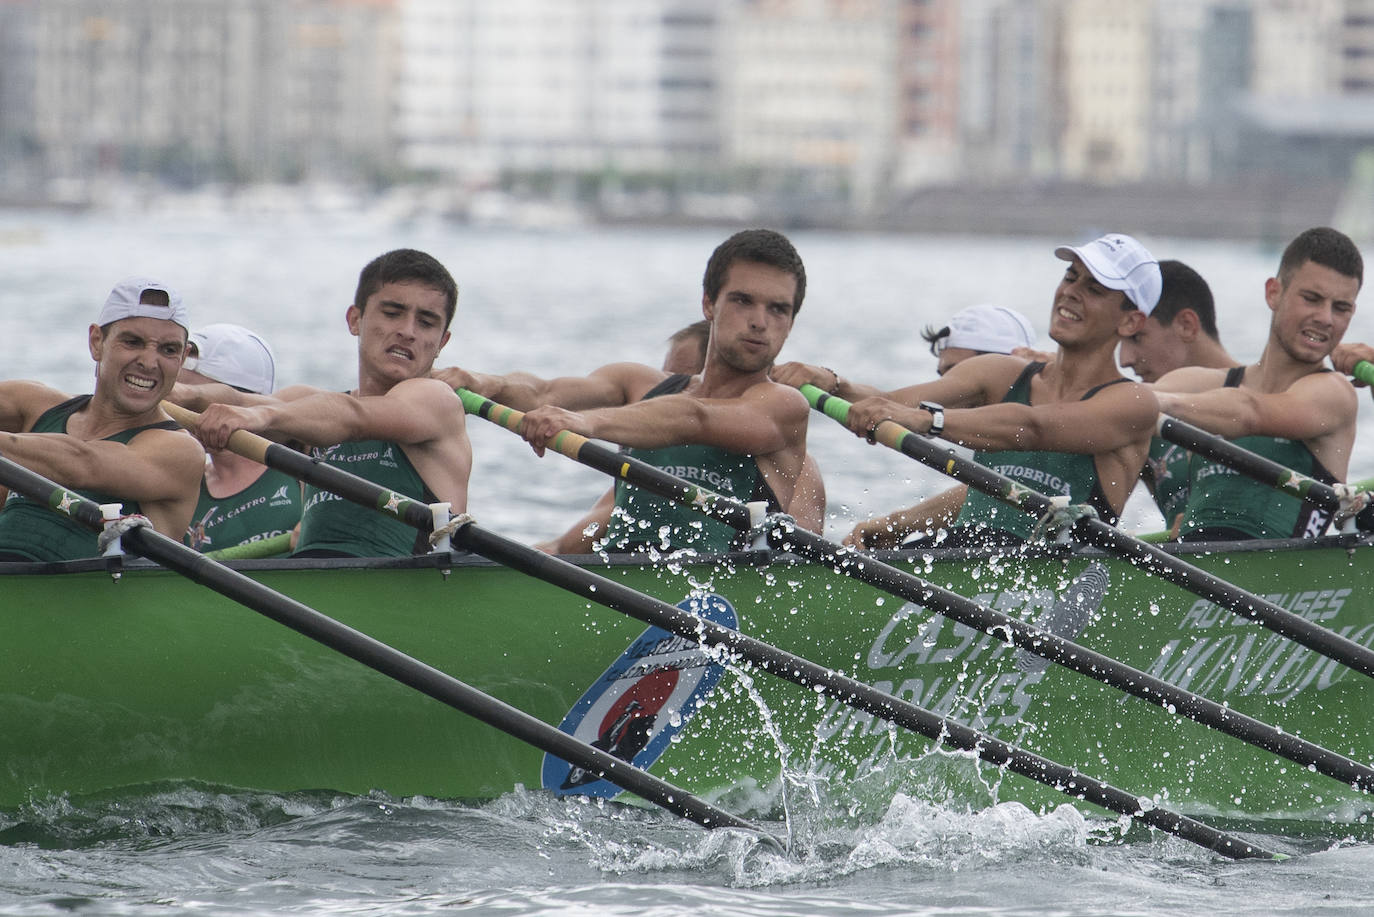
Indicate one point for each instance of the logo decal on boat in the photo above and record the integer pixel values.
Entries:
(641, 701)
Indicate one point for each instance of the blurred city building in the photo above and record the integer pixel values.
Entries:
(916, 113)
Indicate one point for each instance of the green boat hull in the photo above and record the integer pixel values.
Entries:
(111, 684)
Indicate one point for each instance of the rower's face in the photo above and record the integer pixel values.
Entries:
(951, 357)
(752, 316)
(1086, 312)
(1311, 311)
(1154, 350)
(137, 361)
(400, 330)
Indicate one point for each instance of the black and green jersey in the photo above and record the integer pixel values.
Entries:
(332, 525)
(1051, 473)
(268, 507)
(641, 520)
(33, 531)
(1223, 503)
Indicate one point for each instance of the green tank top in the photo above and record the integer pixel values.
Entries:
(1166, 472)
(332, 525)
(1222, 498)
(642, 520)
(1052, 473)
(269, 506)
(31, 530)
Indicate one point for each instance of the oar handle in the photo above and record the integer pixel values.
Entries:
(566, 441)
(731, 511)
(1364, 371)
(248, 445)
(888, 432)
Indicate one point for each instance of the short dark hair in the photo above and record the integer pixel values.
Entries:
(763, 246)
(406, 265)
(1325, 246)
(698, 331)
(1184, 288)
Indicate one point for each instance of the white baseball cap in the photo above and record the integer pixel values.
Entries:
(1120, 262)
(123, 302)
(989, 329)
(235, 356)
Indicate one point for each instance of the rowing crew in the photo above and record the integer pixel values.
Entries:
(1068, 422)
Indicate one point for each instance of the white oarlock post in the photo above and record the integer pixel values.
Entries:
(111, 513)
(439, 513)
(758, 515)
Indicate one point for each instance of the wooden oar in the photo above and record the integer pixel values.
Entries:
(372, 653)
(1093, 531)
(764, 656)
(908, 586)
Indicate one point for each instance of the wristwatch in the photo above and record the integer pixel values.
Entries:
(937, 417)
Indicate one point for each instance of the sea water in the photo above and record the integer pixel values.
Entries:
(563, 301)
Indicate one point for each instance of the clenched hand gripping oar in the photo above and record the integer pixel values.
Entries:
(372, 653)
(1094, 531)
(766, 657)
(908, 586)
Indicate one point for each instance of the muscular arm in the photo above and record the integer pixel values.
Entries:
(609, 386)
(977, 380)
(891, 530)
(421, 415)
(1318, 409)
(161, 469)
(583, 534)
(22, 403)
(767, 418)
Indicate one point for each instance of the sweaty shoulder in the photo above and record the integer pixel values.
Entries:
(1331, 388)
(22, 402)
(1191, 379)
(633, 379)
(990, 373)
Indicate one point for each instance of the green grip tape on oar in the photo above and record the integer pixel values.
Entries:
(263, 547)
(1364, 371)
(484, 407)
(831, 406)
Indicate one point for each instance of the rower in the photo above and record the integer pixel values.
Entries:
(1288, 407)
(730, 428)
(1181, 331)
(687, 354)
(971, 332)
(241, 501)
(115, 445)
(1072, 427)
(397, 428)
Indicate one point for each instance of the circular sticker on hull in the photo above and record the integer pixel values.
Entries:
(641, 701)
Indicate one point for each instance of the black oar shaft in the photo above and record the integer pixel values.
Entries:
(1099, 534)
(908, 586)
(1264, 470)
(379, 656)
(847, 690)
(803, 672)
(769, 658)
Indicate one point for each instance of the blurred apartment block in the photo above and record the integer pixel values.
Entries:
(847, 108)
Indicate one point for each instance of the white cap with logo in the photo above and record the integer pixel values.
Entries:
(124, 302)
(233, 355)
(989, 329)
(1120, 262)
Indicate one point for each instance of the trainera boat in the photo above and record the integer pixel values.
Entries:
(116, 682)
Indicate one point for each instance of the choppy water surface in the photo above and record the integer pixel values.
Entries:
(556, 303)
(194, 848)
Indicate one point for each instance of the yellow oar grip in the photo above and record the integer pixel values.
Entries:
(249, 445)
